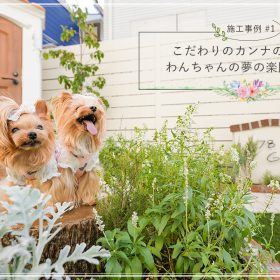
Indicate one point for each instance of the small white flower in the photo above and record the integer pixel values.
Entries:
(274, 184)
(134, 219)
(253, 164)
(222, 152)
(207, 214)
(98, 220)
(186, 194)
(234, 155)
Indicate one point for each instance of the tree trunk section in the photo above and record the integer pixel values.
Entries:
(78, 226)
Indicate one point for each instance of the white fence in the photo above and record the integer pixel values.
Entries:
(130, 107)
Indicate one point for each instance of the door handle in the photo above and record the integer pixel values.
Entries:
(15, 81)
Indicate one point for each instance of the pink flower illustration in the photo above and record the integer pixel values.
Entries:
(243, 92)
(253, 91)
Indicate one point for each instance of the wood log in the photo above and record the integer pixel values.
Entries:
(78, 225)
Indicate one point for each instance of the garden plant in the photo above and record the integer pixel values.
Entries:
(81, 73)
(173, 205)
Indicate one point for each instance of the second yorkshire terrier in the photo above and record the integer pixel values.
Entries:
(27, 144)
(80, 121)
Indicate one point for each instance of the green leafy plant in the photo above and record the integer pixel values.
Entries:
(81, 72)
(130, 254)
(268, 177)
(192, 213)
(267, 234)
(244, 157)
(23, 256)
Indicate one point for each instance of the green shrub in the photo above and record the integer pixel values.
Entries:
(246, 155)
(192, 215)
(268, 177)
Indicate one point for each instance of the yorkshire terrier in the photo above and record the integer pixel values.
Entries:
(80, 121)
(27, 145)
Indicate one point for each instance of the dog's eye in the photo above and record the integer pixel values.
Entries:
(77, 108)
(40, 127)
(15, 129)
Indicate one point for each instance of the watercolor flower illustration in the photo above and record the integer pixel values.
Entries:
(247, 91)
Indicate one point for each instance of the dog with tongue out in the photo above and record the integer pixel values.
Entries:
(80, 122)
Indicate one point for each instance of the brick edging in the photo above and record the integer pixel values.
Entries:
(254, 125)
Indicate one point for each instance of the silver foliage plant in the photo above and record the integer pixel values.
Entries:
(24, 254)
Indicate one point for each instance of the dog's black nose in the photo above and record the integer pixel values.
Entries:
(32, 135)
(93, 108)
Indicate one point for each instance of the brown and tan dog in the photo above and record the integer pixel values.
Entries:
(27, 145)
(80, 121)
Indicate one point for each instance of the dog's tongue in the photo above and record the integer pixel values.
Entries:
(91, 127)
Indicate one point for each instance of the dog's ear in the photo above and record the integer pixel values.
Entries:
(41, 108)
(60, 99)
(7, 106)
(58, 103)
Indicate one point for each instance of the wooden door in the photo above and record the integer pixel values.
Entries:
(10, 60)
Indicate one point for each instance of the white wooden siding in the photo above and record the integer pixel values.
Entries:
(125, 18)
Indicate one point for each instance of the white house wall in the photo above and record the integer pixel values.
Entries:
(125, 18)
(31, 20)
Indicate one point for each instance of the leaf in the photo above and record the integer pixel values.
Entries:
(148, 258)
(227, 258)
(205, 259)
(191, 236)
(175, 225)
(179, 267)
(113, 266)
(136, 265)
(158, 243)
(155, 251)
(123, 239)
(197, 267)
(163, 223)
(180, 209)
(123, 256)
(79, 253)
(127, 269)
(156, 222)
(177, 248)
(143, 222)
(250, 215)
(132, 230)
(45, 55)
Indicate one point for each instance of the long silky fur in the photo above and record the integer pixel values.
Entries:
(78, 141)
